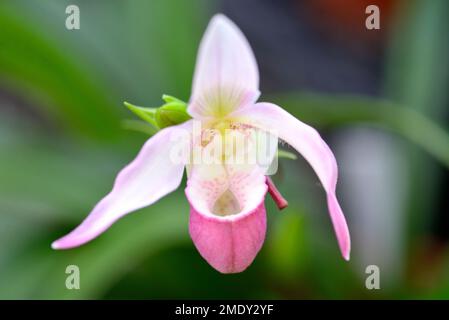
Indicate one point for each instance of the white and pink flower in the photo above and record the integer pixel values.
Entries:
(227, 212)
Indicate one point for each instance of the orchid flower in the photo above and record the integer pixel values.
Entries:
(227, 213)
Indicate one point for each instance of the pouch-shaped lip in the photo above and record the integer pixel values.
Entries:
(229, 245)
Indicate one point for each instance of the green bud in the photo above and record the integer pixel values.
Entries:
(169, 99)
(173, 112)
(146, 114)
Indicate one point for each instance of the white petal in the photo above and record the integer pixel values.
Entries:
(149, 177)
(309, 144)
(226, 75)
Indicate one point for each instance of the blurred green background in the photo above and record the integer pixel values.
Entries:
(64, 136)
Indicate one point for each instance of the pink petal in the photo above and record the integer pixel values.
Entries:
(226, 74)
(229, 246)
(149, 177)
(228, 242)
(307, 142)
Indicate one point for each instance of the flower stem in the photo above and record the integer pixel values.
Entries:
(280, 201)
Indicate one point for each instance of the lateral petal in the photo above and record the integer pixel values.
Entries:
(310, 145)
(151, 175)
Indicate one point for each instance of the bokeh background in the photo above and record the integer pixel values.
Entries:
(379, 97)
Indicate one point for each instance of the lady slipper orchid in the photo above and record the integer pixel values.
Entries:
(227, 212)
